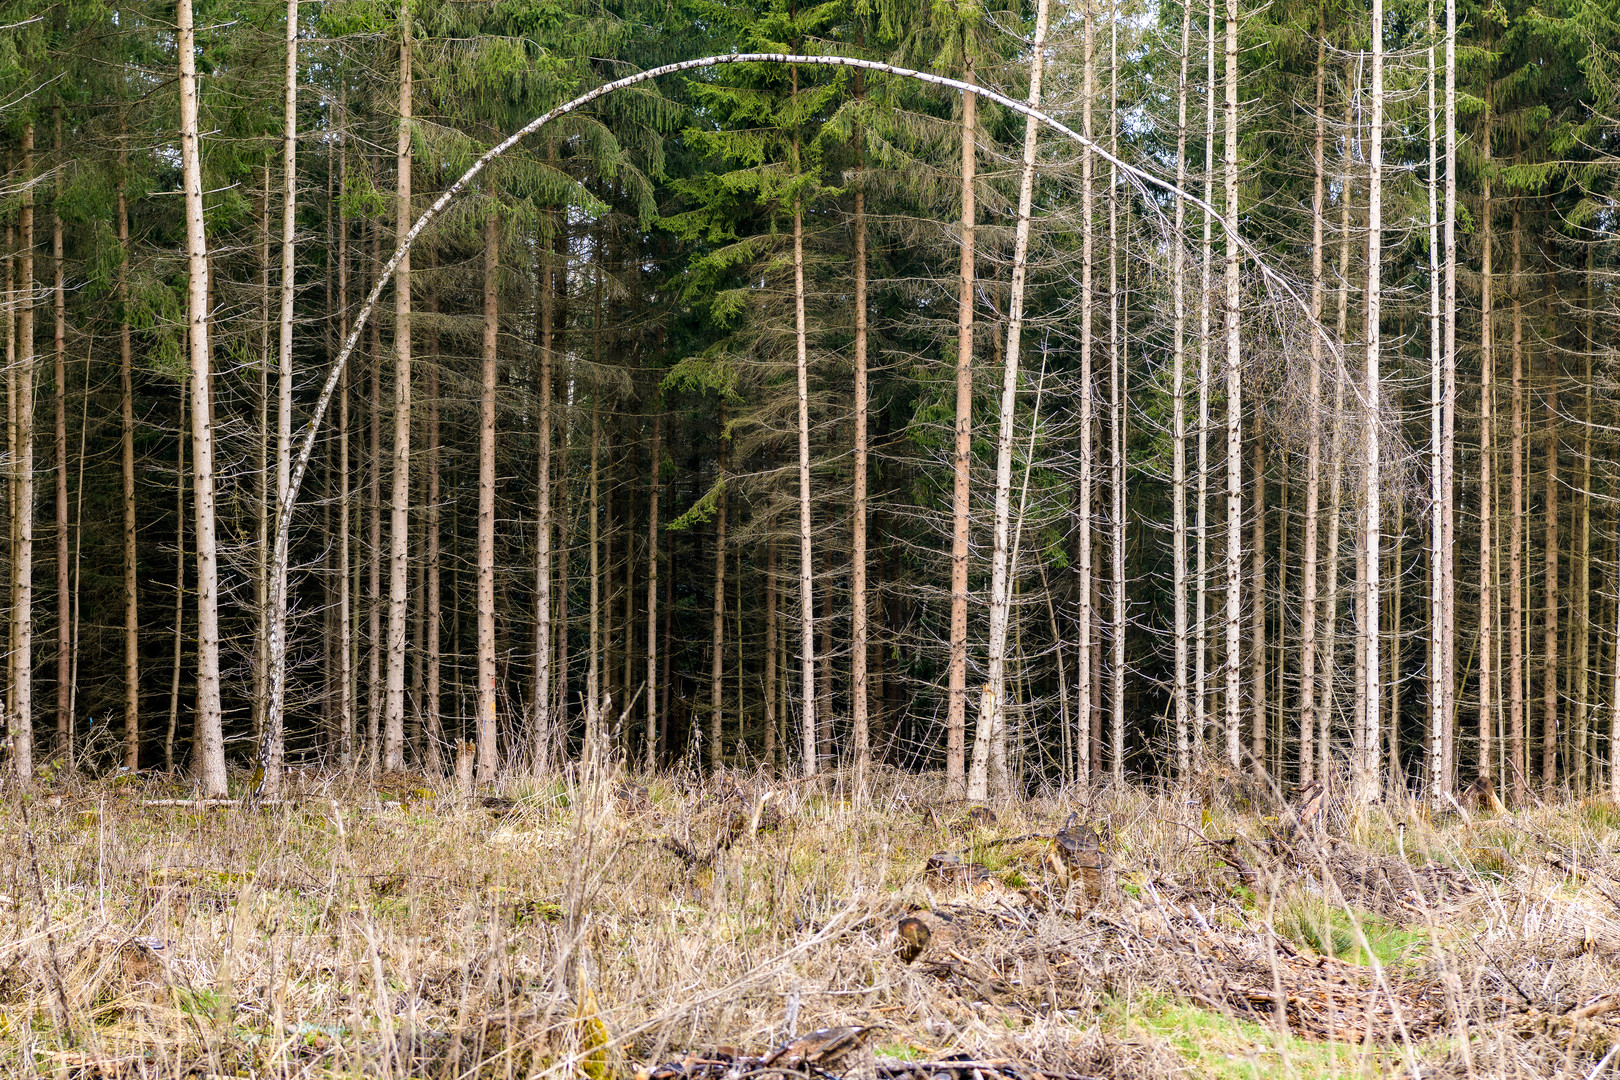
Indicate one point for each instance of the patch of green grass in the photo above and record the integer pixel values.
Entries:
(1217, 1047)
(1328, 930)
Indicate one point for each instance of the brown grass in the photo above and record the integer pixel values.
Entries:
(683, 928)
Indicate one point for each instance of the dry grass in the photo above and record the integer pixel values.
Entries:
(680, 929)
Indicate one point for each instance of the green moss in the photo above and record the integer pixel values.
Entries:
(1217, 1047)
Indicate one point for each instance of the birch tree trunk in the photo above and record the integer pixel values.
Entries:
(399, 522)
(1437, 472)
(1487, 594)
(272, 752)
(999, 602)
(1116, 425)
(432, 714)
(486, 722)
(541, 736)
(1448, 424)
(1206, 273)
(1178, 433)
(1371, 493)
(807, 600)
(1313, 451)
(22, 617)
(208, 730)
(1234, 409)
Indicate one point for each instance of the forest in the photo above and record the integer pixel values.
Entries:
(1146, 387)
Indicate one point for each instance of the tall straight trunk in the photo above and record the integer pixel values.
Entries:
(261, 482)
(1371, 493)
(10, 313)
(1000, 606)
(961, 456)
(486, 730)
(22, 618)
(1487, 596)
(400, 524)
(860, 734)
(560, 618)
(651, 758)
(1583, 565)
(1549, 589)
(1234, 406)
(593, 671)
(1330, 637)
(771, 746)
(1257, 608)
(346, 667)
(1434, 752)
(1448, 424)
(1178, 433)
(542, 736)
(1313, 451)
(807, 609)
(1116, 427)
(1206, 272)
(374, 596)
(208, 729)
(432, 712)
(1392, 727)
(272, 752)
(1086, 659)
(126, 415)
(64, 589)
(717, 656)
(1516, 669)
(179, 581)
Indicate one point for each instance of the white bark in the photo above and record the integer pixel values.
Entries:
(999, 603)
(399, 521)
(209, 730)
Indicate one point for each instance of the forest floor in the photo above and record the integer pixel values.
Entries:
(627, 928)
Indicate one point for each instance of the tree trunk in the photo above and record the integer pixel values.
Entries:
(1086, 658)
(806, 567)
(1000, 606)
(1583, 566)
(374, 597)
(179, 581)
(1448, 427)
(126, 410)
(1234, 408)
(1549, 677)
(22, 618)
(273, 750)
(1435, 758)
(860, 735)
(961, 457)
(543, 738)
(1487, 595)
(64, 613)
(1116, 428)
(346, 666)
(1206, 272)
(717, 656)
(1257, 608)
(1372, 496)
(1178, 433)
(399, 523)
(1517, 663)
(1313, 452)
(432, 712)
(651, 758)
(771, 747)
(486, 724)
(208, 730)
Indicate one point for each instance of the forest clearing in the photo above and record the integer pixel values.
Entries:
(633, 928)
